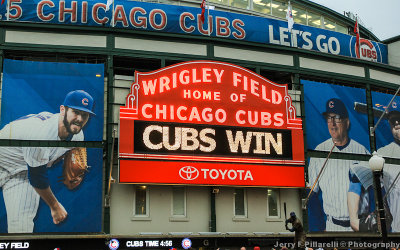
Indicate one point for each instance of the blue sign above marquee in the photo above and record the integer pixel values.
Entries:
(186, 20)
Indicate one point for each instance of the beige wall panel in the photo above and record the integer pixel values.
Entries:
(331, 67)
(121, 211)
(120, 95)
(257, 220)
(160, 46)
(253, 56)
(383, 76)
(55, 39)
(394, 53)
(123, 81)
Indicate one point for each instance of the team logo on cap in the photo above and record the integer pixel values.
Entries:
(331, 104)
(394, 105)
(85, 101)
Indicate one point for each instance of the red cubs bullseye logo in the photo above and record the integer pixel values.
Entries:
(366, 51)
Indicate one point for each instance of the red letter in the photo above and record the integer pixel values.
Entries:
(84, 11)
(374, 54)
(72, 10)
(182, 18)
(222, 24)
(200, 25)
(142, 20)
(95, 13)
(120, 16)
(39, 10)
(152, 19)
(236, 24)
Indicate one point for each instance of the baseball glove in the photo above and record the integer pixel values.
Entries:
(74, 167)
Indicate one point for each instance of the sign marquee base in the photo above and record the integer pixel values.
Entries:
(201, 173)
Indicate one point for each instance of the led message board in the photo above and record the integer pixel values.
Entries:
(209, 123)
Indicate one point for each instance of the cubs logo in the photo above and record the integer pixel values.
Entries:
(366, 50)
(394, 105)
(113, 244)
(85, 101)
(331, 104)
(186, 243)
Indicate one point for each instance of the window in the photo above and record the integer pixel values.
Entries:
(341, 29)
(240, 205)
(263, 6)
(299, 15)
(244, 4)
(314, 20)
(141, 199)
(178, 201)
(273, 203)
(224, 2)
(279, 9)
(329, 24)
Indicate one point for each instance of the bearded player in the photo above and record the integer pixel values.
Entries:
(390, 171)
(23, 170)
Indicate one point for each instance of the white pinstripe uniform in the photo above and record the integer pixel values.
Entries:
(334, 182)
(390, 172)
(20, 198)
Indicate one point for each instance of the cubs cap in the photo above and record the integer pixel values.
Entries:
(292, 214)
(336, 106)
(80, 100)
(394, 107)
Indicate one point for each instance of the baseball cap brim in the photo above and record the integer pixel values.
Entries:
(81, 109)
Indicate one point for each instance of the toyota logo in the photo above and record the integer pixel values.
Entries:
(188, 173)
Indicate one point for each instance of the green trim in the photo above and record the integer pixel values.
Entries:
(67, 144)
(169, 36)
(370, 116)
(213, 215)
(210, 50)
(392, 40)
(336, 155)
(109, 132)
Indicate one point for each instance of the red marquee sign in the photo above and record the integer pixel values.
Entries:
(209, 123)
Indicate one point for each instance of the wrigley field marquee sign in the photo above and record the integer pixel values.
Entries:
(209, 123)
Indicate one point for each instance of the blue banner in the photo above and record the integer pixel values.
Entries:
(387, 136)
(342, 191)
(51, 102)
(316, 97)
(186, 20)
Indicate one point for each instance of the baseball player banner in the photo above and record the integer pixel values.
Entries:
(320, 98)
(51, 189)
(187, 20)
(387, 136)
(342, 192)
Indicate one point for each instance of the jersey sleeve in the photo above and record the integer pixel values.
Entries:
(355, 184)
(36, 156)
(313, 169)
